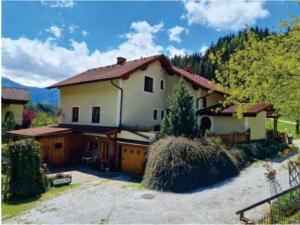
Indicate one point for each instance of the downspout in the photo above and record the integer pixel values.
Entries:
(121, 103)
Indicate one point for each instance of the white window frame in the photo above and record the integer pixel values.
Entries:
(161, 118)
(163, 85)
(91, 114)
(74, 106)
(153, 88)
(157, 114)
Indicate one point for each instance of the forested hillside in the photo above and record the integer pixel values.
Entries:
(201, 64)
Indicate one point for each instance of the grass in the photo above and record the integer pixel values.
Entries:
(12, 208)
(291, 128)
(134, 186)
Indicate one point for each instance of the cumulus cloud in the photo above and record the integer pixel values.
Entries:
(55, 30)
(84, 33)
(224, 15)
(41, 63)
(59, 3)
(174, 33)
(203, 49)
(175, 51)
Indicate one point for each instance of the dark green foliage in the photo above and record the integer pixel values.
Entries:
(181, 165)
(202, 65)
(263, 149)
(8, 124)
(51, 110)
(26, 176)
(180, 119)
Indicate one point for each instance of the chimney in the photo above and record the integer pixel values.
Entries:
(121, 60)
(188, 69)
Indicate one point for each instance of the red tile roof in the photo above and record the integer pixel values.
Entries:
(15, 95)
(251, 111)
(117, 71)
(39, 131)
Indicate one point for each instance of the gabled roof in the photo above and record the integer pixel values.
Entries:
(15, 95)
(123, 70)
(253, 110)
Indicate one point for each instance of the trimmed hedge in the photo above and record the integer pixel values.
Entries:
(26, 176)
(180, 164)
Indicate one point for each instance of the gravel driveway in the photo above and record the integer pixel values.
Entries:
(119, 201)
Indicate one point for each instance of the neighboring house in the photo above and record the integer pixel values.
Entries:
(113, 111)
(13, 100)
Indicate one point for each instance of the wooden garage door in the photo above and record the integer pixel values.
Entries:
(133, 158)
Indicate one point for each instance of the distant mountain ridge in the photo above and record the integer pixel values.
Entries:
(37, 95)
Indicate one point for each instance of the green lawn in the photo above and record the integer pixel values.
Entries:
(13, 208)
(283, 126)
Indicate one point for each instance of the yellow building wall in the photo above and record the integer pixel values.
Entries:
(138, 105)
(16, 109)
(257, 126)
(226, 124)
(102, 94)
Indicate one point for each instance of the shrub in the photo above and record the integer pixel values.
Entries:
(180, 165)
(26, 175)
(43, 119)
(267, 148)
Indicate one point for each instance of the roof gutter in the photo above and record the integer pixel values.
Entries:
(121, 103)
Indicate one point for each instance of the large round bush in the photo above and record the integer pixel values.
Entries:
(178, 164)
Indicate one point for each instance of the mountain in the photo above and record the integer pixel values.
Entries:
(38, 95)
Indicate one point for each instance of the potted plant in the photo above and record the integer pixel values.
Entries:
(60, 179)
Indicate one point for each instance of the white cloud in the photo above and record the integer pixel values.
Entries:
(55, 30)
(227, 14)
(72, 28)
(59, 3)
(175, 51)
(174, 33)
(41, 63)
(84, 33)
(203, 49)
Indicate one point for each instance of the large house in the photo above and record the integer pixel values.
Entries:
(114, 111)
(13, 101)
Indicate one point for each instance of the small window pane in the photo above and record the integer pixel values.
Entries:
(75, 114)
(148, 85)
(162, 114)
(96, 114)
(155, 112)
(58, 145)
(162, 85)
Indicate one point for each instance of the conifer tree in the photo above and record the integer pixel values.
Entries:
(180, 119)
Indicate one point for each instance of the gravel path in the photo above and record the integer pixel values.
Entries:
(118, 201)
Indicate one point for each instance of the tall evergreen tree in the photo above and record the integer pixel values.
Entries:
(180, 119)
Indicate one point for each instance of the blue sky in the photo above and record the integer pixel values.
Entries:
(44, 42)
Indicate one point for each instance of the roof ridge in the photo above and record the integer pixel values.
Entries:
(26, 89)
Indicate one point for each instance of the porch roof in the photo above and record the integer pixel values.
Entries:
(40, 131)
(252, 111)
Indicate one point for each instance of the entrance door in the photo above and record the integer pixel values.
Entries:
(133, 158)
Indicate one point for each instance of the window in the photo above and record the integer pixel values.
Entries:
(201, 103)
(162, 84)
(162, 114)
(58, 146)
(96, 114)
(155, 112)
(75, 114)
(148, 85)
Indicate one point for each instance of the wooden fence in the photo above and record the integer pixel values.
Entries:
(232, 138)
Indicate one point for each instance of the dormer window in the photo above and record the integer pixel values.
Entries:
(148, 84)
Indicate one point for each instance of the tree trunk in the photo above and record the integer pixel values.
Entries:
(297, 126)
